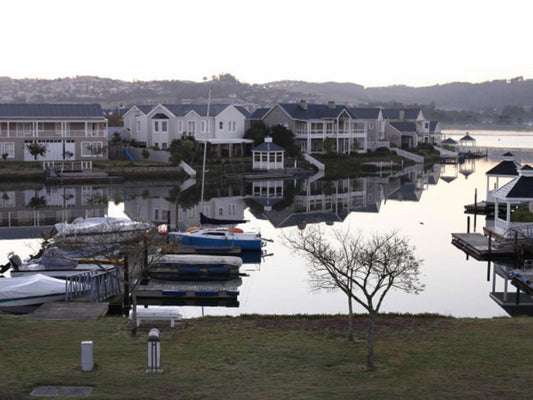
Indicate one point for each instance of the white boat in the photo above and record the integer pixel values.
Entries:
(100, 230)
(23, 291)
(186, 266)
(53, 262)
(219, 236)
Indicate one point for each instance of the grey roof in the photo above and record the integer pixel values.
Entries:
(259, 113)
(243, 111)
(180, 110)
(268, 146)
(467, 137)
(51, 111)
(404, 126)
(449, 141)
(522, 189)
(314, 111)
(433, 125)
(505, 168)
(366, 113)
(394, 113)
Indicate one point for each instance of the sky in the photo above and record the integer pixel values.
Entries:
(371, 43)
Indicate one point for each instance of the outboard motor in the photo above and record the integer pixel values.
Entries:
(15, 261)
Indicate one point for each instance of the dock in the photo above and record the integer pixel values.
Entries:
(70, 311)
(477, 246)
(179, 248)
(159, 292)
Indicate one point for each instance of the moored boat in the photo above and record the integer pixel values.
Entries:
(219, 236)
(185, 266)
(18, 293)
(100, 229)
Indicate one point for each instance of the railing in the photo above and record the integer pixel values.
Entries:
(410, 156)
(445, 153)
(97, 286)
(55, 133)
(62, 166)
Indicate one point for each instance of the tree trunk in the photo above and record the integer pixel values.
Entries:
(370, 341)
(351, 333)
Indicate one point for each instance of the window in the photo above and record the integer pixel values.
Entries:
(156, 126)
(204, 126)
(156, 214)
(180, 128)
(220, 212)
(371, 125)
(138, 125)
(8, 148)
(257, 156)
(164, 126)
(231, 126)
(279, 157)
(92, 149)
(221, 125)
(164, 145)
(191, 127)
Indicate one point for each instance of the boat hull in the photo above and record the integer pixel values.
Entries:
(249, 242)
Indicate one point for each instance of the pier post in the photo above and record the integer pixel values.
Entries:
(468, 224)
(126, 299)
(489, 256)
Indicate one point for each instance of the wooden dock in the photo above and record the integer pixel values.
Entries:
(480, 248)
(72, 311)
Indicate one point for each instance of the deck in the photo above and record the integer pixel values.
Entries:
(477, 246)
(73, 311)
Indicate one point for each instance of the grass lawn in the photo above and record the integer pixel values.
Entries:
(262, 357)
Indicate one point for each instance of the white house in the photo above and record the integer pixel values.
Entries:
(159, 125)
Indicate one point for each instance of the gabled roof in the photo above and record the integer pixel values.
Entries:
(51, 111)
(433, 125)
(394, 113)
(243, 111)
(314, 111)
(180, 110)
(449, 141)
(366, 113)
(259, 113)
(407, 127)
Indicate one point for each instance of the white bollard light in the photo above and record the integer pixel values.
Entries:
(87, 356)
(154, 352)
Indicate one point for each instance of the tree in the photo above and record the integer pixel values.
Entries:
(285, 138)
(36, 149)
(257, 132)
(363, 269)
(329, 145)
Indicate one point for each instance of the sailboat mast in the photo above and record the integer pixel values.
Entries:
(205, 151)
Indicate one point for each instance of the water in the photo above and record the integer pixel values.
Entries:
(426, 206)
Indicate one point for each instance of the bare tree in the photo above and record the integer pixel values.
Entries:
(363, 269)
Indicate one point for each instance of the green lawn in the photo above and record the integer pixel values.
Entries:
(255, 357)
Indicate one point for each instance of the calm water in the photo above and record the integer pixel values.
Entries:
(426, 206)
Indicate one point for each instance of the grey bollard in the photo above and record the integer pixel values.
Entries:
(87, 356)
(154, 352)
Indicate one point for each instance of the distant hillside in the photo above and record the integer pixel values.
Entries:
(494, 95)
(452, 96)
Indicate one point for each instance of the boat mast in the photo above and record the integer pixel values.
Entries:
(205, 151)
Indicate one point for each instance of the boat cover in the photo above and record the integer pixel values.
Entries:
(90, 225)
(30, 286)
(196, 259)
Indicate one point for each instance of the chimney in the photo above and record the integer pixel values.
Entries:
(331, 104)
(303, 105)
(402, 114)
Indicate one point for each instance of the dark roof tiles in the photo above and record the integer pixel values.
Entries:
(51, 111)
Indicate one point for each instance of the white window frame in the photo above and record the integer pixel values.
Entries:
(191, 127)
(86, 146)
(156, 126)
(164, 126)
(9, 148)
(180, 128)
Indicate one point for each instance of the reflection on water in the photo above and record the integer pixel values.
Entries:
(426, 204)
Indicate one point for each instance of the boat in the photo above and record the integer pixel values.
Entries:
(193, 266)
(100, 229)
(19, 294)
(204, 219)
(53, 262)
(218, 236)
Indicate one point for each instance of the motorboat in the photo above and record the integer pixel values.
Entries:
(193, 266)
(96, 230)
(18, 293)
(55, 263)
(219, 236)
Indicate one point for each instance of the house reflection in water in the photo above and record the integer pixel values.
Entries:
(30, 212)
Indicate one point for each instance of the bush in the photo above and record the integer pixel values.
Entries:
(145, 153)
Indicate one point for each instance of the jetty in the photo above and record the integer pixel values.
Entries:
(75, 172)
(483, 248)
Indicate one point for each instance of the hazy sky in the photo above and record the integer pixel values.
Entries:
(370, 42)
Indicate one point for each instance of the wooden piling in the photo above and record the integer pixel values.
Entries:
(489, 258)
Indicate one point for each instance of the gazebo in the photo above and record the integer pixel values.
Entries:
(467, 144)
(506, 169)
(268, 156)
(518, 191)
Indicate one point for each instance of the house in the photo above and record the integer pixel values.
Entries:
(424, 131)
(159, 125)
(312, 124)
(374, 125)
(66, 131)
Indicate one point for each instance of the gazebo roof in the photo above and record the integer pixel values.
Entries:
(467, 138)
(449, 141)
(520, 188)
